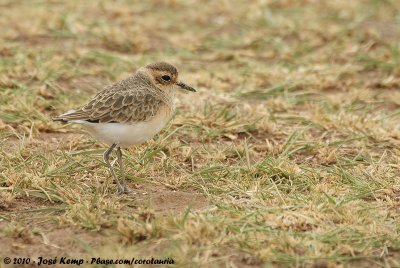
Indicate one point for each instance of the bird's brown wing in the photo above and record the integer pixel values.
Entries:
(117, 107)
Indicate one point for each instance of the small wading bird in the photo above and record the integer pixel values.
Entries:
(130, 111)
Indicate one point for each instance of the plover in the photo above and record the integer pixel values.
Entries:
(130, 111)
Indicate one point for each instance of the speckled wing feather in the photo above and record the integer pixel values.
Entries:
(128, 101)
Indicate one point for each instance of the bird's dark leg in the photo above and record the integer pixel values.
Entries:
(121, 167)
(107, 160)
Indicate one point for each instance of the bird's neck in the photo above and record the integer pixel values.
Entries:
(166, 95)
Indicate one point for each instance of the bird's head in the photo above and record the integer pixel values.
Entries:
(165, 76)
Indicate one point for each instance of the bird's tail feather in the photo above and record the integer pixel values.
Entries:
(62, 118)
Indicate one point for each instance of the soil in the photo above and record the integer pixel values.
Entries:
(33, 238)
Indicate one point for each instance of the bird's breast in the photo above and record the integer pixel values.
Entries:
(127, 134)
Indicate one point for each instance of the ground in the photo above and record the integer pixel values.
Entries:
(288, 154)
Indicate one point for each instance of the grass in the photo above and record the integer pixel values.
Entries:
(288, 155)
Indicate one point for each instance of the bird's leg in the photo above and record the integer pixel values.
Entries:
(107, 160)
(121, 167)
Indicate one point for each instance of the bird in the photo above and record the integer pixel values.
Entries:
(130, 111)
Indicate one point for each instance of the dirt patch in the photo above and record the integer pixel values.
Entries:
(379, 81)
(19, 204)
(386, 30)
(50, 241)
(28, 234)
(43, 142)
(53, 141)
(164, 201)
(158, 198)
(44, 40)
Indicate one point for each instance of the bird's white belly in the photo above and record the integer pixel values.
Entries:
(126, 135)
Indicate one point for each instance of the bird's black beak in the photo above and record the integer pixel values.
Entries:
(184, 86)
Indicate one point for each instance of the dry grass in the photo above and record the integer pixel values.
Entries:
(287, 156)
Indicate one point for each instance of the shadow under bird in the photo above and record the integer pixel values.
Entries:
(130, 111)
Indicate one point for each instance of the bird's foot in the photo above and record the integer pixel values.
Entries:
(120, 191)
(127, 190)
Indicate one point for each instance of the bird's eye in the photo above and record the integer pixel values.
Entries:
(166, 77)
